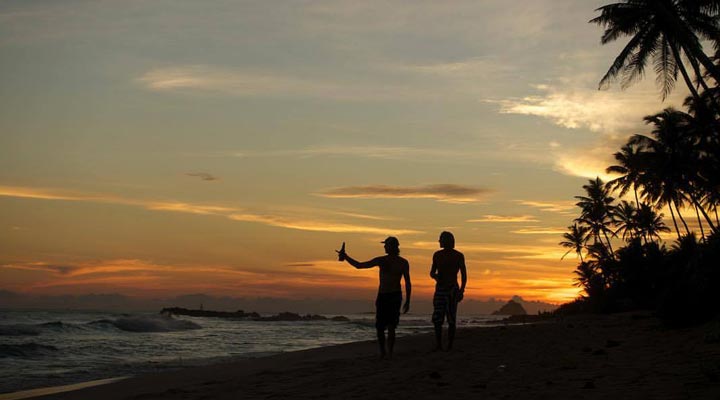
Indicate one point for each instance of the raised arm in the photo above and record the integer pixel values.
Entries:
(408, 287)
(362, 265)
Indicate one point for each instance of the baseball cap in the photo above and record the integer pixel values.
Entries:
(392, 241)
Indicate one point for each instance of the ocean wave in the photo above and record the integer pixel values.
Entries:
(156, 323)
(18, 330)
(25, 350)
(60, 326)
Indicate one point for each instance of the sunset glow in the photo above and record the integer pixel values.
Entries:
(167, 148)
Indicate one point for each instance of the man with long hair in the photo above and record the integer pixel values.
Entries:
(445, 267)
(389, 298)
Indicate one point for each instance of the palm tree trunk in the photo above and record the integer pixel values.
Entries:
(672, 214)
(707, 217)
(685, 75)
(612, 253)
(702, 231)
(701, 80)
(637, 202)
(709, 66)
(687, 230)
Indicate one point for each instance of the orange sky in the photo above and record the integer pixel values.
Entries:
(163, 148)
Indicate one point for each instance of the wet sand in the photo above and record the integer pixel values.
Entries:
(599, 357)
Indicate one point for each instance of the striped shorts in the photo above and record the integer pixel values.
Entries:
(445, 305)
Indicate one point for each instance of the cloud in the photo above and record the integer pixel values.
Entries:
(363, 216)
(142, 276)
(320, 224)
(577, 107)
(560, 207)
(589, 161)
(317, 226)
(203, 175)
(506, 251)
(373, 152)
(189, 208)
(449, 193)
(249, 83)
(505, 218)
(535, 230)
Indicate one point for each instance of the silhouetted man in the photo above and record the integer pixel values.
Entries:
(446, 264)
(389, 298)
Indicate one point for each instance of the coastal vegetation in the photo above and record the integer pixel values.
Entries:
(673, 167)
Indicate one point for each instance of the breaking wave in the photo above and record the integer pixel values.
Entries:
(150, 324)
(25, 350)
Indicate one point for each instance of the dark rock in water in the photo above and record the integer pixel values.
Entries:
(207, 313)
(253, 316)
(511, 308)
(288, 316)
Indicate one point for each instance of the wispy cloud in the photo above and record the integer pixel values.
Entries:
(560, 207)
(536, 230)
(277, 219)
(505, 218)
(379, 152)
(247, 82)
(578, 107)
(203, 175)
(450, 193)
(319, 226)
(189, 208)
(506, 251)
(363, 216)
(589, 161)
(146, 276)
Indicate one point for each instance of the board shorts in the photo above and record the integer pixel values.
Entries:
(387, 310)
(445, 305)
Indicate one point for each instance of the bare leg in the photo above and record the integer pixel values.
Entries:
(381, 341)
(391, 341)
(451, 335)
(438, 337)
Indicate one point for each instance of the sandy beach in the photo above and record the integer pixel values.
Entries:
(598, 357)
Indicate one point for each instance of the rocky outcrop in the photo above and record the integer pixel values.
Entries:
(253, 316)
(511, 308)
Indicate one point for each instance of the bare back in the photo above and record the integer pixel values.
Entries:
(447, 263)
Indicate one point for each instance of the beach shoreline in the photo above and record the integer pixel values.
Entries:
(571, 357)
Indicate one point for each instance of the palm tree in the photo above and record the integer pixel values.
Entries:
(596, 210)
(667, 159)
(630, 168)
(575, 240)
(649, 223)
(625, 218)
(664, 31)
(587, 277)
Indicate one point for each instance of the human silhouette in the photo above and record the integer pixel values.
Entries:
(445, 267)
(389, 297)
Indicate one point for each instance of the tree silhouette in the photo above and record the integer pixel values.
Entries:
(664, 31)
(596, 211)
(630, 168)
(575, 239)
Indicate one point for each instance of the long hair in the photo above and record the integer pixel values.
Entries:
(447, 240)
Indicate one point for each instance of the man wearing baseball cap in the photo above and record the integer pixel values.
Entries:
(389, 298)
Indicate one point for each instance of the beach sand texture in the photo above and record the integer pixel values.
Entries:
(599, 357)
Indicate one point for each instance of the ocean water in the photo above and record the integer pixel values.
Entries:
(50, 348)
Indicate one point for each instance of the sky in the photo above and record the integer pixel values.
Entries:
(229, 147)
